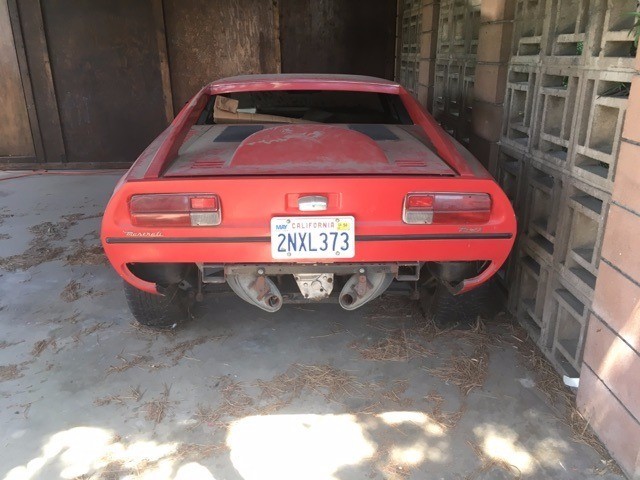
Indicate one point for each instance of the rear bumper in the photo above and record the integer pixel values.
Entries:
(397, 249)
(249, 203)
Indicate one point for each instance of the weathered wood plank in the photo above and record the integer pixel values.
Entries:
(44, 94)
(338, 36)
(107, 76)
(209, 40)
(15, 130)
(26, 78)
(158, 17)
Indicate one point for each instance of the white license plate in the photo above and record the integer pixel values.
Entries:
(313, 237)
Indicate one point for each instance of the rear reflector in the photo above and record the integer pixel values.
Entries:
(446, 208)
(168, 210)
(204, 203)
(420, 202)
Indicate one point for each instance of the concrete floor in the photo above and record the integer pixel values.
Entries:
(239, 393)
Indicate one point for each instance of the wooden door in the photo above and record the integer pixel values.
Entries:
(210, 39)
(108, 75)
(338, 36)
(16, 140)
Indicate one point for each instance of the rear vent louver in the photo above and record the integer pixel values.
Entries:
(210, 163)
(411, 163)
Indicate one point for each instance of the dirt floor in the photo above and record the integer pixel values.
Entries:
(312, 392)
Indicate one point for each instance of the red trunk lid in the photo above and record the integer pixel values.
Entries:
(307, 149)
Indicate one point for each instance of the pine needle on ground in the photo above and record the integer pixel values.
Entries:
(398, 346)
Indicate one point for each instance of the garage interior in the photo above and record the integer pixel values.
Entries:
(545, 93)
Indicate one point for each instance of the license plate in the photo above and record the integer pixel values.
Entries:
(312, 237)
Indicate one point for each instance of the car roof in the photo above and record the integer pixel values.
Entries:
(304, 78)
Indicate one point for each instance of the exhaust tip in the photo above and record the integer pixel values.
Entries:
(274, 301)
(346, 300)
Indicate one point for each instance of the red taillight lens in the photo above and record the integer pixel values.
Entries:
(419, 202)
(166, 210)
(447, 208)
(204, 203)
(159, 203)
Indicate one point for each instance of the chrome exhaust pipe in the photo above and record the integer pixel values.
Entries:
(363, 287)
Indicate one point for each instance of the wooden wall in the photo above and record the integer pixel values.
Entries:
(107, 75)
(15, 131)
(338, 36)
(213, 39)
(89, 83)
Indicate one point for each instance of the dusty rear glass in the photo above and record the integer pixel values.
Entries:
(307, 106)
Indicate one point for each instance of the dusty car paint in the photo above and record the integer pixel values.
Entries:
(264, 175)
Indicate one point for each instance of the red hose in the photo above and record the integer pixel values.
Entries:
(65, 172)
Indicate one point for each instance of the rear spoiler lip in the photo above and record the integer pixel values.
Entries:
(176, 133)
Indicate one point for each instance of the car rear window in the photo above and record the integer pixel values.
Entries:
(295, 106)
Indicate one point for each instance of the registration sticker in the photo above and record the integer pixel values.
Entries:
(312, 237)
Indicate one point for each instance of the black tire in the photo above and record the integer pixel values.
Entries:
(447, 310)
(158, 311)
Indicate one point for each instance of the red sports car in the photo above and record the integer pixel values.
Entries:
(294, 188)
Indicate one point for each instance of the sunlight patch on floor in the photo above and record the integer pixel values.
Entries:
(296, 446)
(421, 450)
(85, 450)
(313, 446)
(501, 445)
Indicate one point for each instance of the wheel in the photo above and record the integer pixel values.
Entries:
(158, 311)
(448, 310)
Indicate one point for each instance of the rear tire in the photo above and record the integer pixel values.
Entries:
(448, 310)
(158, 311)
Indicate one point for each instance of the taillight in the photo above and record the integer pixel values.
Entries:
(168, 210)
(446, 208)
